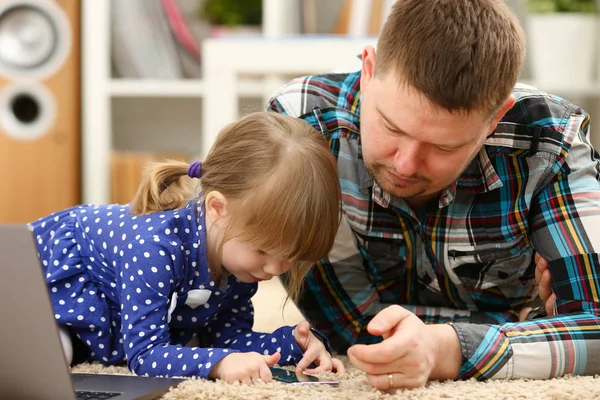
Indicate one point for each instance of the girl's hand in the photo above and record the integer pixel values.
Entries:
(245, 367)
(314, 351)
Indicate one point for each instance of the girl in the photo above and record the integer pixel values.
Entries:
(139, 282)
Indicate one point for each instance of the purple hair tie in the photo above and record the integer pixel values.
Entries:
(195, 169)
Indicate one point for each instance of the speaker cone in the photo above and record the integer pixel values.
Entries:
(27, 38)
(27, 110)
(35, 37)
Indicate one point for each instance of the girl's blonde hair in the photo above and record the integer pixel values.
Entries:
(282, 177)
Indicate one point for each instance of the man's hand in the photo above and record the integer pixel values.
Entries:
(411, 353)
(314, 351)
(542, 277)
(245, 367)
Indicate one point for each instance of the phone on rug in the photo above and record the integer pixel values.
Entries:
(286, 376)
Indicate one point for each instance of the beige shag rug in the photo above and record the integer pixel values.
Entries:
(354, 384)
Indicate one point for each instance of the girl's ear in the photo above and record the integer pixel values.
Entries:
(216, 206)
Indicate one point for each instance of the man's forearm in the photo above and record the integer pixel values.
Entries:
(539, 349)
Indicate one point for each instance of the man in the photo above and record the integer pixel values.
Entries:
(452, 179)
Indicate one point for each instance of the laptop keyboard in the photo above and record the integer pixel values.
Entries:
(85, 395)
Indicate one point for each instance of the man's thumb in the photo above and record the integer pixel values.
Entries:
(384, 322)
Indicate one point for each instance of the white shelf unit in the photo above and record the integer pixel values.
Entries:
(180, 88)
(99, 89)
(159, 88)
(226, 65)
(228, 59)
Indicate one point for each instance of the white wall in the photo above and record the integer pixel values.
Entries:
(162, 125)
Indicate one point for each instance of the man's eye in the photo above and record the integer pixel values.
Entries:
(390, 129)
(444, 149)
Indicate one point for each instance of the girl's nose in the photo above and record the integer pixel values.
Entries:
(277, 267)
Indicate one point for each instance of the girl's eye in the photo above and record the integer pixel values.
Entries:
(262, 252)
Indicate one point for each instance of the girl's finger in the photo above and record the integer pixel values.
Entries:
(272, 359)
(304, 327)
(247, 380)
(305, 362)
(302, 335)
(265, 374)
(323, 364)
(332, 364)
(338, 366)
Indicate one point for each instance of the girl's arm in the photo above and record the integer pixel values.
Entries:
(233, 329)
(146, 282)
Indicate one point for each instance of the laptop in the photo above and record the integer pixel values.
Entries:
(32, 362)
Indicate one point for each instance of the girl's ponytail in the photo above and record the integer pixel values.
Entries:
(162, 188)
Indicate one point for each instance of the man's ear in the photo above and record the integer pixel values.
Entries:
(216, 205)
(368, 67)
(508, 104)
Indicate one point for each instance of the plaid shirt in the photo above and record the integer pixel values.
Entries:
(470, 260)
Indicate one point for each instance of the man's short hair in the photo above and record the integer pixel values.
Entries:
(463, 55)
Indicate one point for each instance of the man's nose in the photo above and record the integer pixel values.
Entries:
(408, 158)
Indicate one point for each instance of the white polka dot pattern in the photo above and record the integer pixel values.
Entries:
(113, 278)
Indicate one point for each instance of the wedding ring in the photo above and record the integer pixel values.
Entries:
(391, 381)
